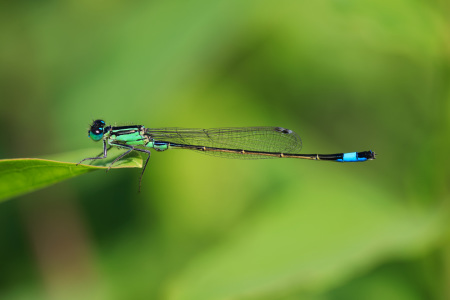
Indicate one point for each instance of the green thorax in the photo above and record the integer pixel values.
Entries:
(129, 135)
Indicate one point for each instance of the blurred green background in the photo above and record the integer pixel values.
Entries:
(346, 75)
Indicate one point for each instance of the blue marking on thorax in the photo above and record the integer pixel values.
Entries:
(351, 157)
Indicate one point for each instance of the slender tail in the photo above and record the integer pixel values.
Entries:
(339, 157)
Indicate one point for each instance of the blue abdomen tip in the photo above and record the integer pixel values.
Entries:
(351, 157)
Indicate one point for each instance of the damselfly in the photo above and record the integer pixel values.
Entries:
(229, 142)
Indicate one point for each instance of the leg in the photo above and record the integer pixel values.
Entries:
(109, 147)
(145, 165)
(105, 151)
(131, 148)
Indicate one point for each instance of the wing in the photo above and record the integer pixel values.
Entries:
(263, 139)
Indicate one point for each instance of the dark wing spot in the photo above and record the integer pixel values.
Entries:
(283, 130)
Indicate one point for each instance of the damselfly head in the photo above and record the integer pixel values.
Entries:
(97, 129)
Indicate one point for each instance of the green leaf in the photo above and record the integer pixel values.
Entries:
(24, 175)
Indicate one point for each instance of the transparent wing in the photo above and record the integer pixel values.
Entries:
(263, 139)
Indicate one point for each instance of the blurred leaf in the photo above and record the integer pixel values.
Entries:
(24, 175)
(305, 245)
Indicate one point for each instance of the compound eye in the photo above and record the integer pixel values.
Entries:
(96, 131)
(99, 123)
(96, 134)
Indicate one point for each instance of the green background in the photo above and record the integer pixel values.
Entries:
(346, 75)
